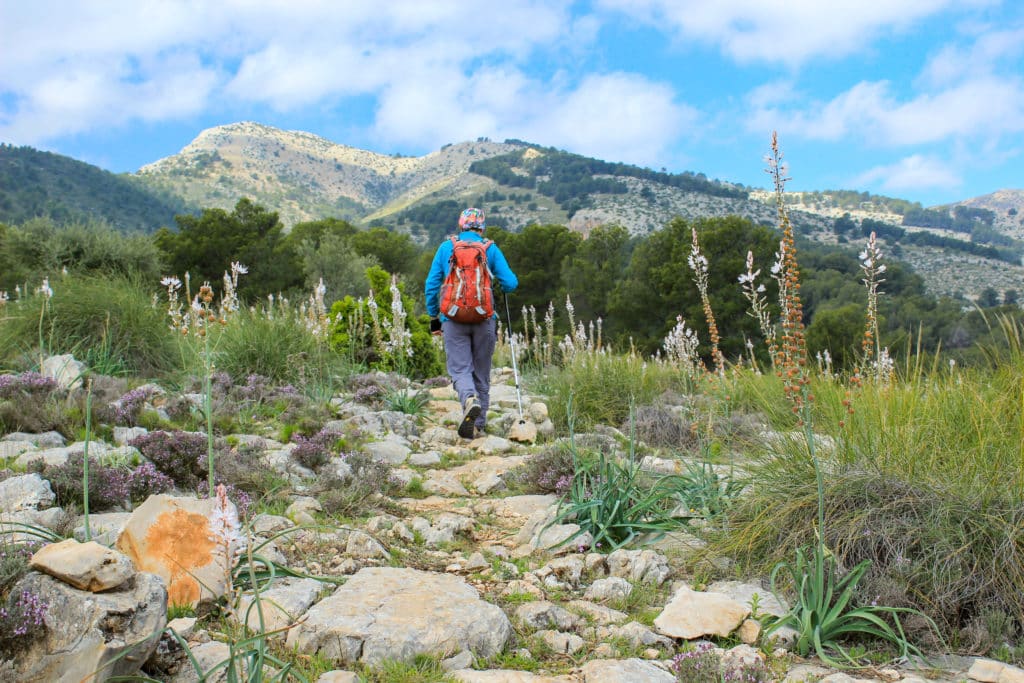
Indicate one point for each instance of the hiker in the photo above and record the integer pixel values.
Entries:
(461, 307)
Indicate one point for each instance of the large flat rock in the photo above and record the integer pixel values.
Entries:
(392, 613)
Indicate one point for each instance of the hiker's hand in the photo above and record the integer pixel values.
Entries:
(435, 326)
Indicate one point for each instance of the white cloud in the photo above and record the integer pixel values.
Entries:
(622, 117)
(619, 116)
(67, 67)
(870, 113)
(782, 31)
(915, 172)
(984, 56)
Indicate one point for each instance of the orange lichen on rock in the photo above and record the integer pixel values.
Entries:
(166, 538)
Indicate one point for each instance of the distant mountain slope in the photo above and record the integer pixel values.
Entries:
(35, 183)
(303, 176)
(1007, 207)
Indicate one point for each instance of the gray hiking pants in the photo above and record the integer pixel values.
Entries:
(469, 349)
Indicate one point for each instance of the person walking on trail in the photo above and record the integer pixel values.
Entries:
(461, 308)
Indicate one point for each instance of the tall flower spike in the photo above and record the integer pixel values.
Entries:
(699, 264)
(758, 304)
(791, 357)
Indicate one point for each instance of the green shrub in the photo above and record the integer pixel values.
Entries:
(927, 544)
(107, 320)
(39, 248)
(603, 387)
(279, 348)
(366, 330)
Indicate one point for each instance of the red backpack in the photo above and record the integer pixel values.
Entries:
(466, 291)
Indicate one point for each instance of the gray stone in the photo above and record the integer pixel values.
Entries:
(381, 423)
(25, 492)
(463, 660)
(489, 445)
(744, 593)
(86, 566)
(362, 545)
(639, 566)
(691, 614)
(268, 525)
(42, 440)
(281, 604)
(538, 412)
(624, 671)
(86, 632)
(104, 527)
(562, 643)
(611, 588)
(523, 431)
(425, 459)
(442, 482)
(543, 614)
(991, 671)
(391, 452)
(598, 614)
(207, 655)
(65, 369)
(51, 457)
(125, 435)
(12, 449)
(567, 569)
(508, 676)
(638, 635)
(389, 613)
(338, 676)
(439, 436)
(488, 482)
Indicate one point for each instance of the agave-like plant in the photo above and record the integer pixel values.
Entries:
(825, 612)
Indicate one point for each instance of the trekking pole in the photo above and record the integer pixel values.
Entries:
(515, 371)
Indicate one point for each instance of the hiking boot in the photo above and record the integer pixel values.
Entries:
(470, 412)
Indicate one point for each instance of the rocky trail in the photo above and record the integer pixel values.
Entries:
(467, 571)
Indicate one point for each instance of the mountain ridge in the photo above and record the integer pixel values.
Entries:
(302, 177)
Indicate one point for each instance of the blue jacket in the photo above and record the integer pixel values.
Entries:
(442, 260)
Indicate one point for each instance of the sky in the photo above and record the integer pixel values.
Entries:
(917, 99)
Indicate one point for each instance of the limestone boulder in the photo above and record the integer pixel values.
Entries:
(692, 614)
(64, 369)
(25, 492)
(172, 537)
(86, 566)
(507, 676)
(393, 613)
(92, 636)
(104, 527)
(523, 431)
(282, 604)
(624, 671)
(43, 440)
(639, 566)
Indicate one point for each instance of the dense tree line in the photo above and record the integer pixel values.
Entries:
(637, 286)
(960, 218)
(570, 178)
(40, 184)
(984, 242)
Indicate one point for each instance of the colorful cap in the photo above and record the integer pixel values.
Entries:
(471, 219)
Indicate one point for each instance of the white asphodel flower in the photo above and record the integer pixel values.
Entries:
(45, 288)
